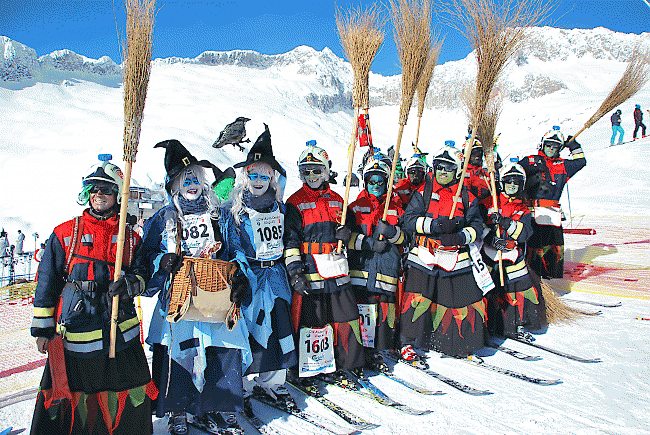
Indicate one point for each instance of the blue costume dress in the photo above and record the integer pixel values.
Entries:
(207, 360)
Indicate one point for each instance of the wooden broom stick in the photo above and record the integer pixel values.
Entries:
(412, 22)
(137, 69)
(423, 84)
(361, 37)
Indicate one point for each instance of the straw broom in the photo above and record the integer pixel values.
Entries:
(361, 36)
(412, 22)
(137, 68)
(423, 84)
(636, 75)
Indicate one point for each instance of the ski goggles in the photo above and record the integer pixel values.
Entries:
(309, 171)
(103, 189)
(376, 182)
(446, 167)
(254, 176)
(511, 180)
(553, 145)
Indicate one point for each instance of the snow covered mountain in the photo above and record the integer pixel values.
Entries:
(61, 109)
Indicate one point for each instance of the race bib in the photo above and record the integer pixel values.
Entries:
(548, 216)
(331, 265)
(197, 235)
(316, 351)
(368, 322)
(268, 229)
(445, 259)
(479, 268)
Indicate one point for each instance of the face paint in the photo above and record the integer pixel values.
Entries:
(551, 149)
(100, 202)
(476, 157)
(191, 188)
(259, 175)
(445, 173)
(416, 176)
(314, 175)
(510, 187)
(376, 185)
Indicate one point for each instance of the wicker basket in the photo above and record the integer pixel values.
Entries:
(200, 291)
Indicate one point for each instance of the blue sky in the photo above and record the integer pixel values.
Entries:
(187, 28)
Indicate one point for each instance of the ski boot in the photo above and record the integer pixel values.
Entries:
(522, 334)
(340, 379)
(177, 423)
(376, 362)
(282, 397)
(411, 357)
(218, 423)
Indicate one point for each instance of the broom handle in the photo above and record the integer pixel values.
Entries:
(495, 205)
(119, 253)
(348, 178)
(461, 182)
(389, 192)
(578, 133)
(417, 132)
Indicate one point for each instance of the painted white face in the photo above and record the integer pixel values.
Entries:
(259, 175)
(314, 175)
(102, 199)
(191, 188)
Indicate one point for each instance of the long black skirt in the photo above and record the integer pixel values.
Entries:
(223, 390)
(339, 310)
(545, 251)
(446, 313)
(386, 325)
(105, 392)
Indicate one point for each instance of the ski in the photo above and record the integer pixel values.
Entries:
(512, 352)
(479, 362)
(6, 431)
(451, 382)
(250, 417)
(617, 304)
(556, 352)
(584, 231)
(404, 382)
(313, 419)
(226, 424)
(318, 393)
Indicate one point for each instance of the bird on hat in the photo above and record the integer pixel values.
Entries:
(233, 134)
(262, 151)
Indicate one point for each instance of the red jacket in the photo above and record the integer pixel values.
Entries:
(404, 188)
(476, 181)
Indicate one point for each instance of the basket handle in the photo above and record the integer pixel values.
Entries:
(232, 316)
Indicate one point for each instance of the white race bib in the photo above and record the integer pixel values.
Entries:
(331, 265)
(548, 216)
(316, 351)
(197, 234)
(268, 229)
(368, 322)
(479, 268)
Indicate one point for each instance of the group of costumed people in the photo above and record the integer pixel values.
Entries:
(315, 297)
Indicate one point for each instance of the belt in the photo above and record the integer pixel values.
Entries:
(317, 248)
(264, 263)
(544, 203)
(433, 244)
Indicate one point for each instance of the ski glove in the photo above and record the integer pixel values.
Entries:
(170, 262)
(128, 285)
(571, 144)
(343, 233)
(381, 246)
(445, 225)
(385, 229)
(239, 289)
(300, 284)
(454, 239)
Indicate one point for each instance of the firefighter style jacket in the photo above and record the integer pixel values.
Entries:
(377, 272)
(404, 188)
(77, 266)
(476, 181)
(310, 222)
(422, 215)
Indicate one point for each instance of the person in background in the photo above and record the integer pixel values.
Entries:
(416, 169)
(616, 127)
(76, 275)
(19, 242)
(38, 255)
(4, 244)
(638, 122)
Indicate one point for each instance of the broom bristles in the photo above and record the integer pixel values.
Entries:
(427, 74)
(636, 75)
(557, 311)
(137, 69)
(361, 35)
(412, 23)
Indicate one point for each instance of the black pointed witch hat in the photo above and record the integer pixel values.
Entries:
(177, 158)
(262, 151)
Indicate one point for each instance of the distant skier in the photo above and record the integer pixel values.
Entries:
(616, 127)
(546, 175)
(638, 122)
(233, 134)
(19, 242)
(4, 243)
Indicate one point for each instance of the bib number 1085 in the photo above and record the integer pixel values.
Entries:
(268, 233)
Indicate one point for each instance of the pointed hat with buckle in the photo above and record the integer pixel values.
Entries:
(177, 158)
(262, 151)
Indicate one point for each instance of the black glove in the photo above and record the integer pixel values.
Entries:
(571, 144)
(453, 239)
(499, 243)
(343, 233)
(128, 285)
(300, 284)
(446, 225)
(170, 262)
(381, 246)
(385, 229)
(239, 288)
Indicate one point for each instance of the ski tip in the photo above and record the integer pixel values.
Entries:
(6, 431)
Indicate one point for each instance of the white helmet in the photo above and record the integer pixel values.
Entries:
(107, 172)
(313, 155)
(451, 155)
(512, 169)
(378, 167)
(554, 135)
(416, 161)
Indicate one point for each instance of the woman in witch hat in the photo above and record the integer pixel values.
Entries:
(258, 212)
(204, 379)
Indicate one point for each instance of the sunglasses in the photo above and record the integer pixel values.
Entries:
(189, 181)
(376, 182)
(254, 176)
(446, 167)
(103, 189)
(311, 171)
(552, 145)
(510, 180)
